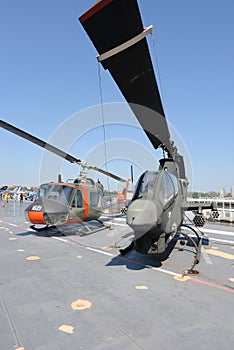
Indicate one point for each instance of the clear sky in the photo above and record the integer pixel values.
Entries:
(49, 73)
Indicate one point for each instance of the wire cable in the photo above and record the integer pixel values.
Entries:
(105, 142)
(157, 66)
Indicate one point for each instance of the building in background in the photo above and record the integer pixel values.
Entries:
(232, 191)
(222, 192)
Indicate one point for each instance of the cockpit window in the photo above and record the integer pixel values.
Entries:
(168, 187)
(60, 193)
(77, 201)
(146, 185)
(162, 186)
(43, 190)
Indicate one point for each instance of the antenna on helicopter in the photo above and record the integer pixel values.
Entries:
(132, 178)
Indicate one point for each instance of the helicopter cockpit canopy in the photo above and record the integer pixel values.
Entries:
(42, 191)
(58, 192)
(156, 184)
(146, 185)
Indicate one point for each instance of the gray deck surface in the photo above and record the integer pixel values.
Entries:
(129, 302)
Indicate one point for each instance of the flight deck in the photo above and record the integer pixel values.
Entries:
(67, 290)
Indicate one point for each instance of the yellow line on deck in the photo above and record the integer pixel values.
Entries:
(220, 254)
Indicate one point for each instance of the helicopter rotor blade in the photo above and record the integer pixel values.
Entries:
(115, 177)
(38, 142)
(116, 31)
(54, 149)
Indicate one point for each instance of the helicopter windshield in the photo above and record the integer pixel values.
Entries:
(60, 193)
(146, 185)
(162, 185)
(168, 187)
(43, 189)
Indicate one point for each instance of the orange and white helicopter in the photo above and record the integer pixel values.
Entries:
(62, 203)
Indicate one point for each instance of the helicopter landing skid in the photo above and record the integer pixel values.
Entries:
(127, 249)
(78, 228)
(197, 245)
(89, 227)
(39, 229)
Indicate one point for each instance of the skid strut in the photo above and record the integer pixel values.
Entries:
(197, 245)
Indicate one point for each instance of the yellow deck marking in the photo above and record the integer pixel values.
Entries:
(141, 287)
(67, 329)
(79, 257)
(231, 279)
(33, 258)
(106, 248)
(214, 248)
(20, 348)
(220, 254)
(12, 239)
(181, 278)
(81, 304)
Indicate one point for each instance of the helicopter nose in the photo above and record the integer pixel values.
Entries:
(142, 216)
(47, 212)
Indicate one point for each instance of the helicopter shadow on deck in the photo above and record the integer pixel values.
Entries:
(75, 229)
(138, 261)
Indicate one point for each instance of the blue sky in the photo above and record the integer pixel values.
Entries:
(49, 72)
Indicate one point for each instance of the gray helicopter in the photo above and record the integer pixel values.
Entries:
(156, 211)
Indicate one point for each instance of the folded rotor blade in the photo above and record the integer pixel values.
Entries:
(54, 149)
(113, 27)
(38, 142)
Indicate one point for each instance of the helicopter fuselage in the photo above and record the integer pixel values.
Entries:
(155, 212)
(65, 203)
